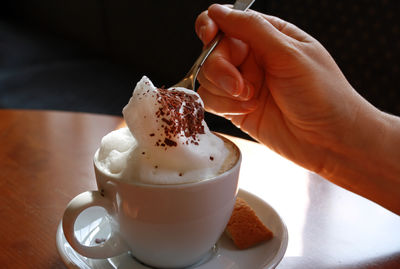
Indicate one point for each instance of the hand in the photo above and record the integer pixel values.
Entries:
(276, 83)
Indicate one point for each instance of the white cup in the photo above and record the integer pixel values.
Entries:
(166, 226)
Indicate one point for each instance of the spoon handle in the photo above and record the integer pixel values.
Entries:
(242, 4)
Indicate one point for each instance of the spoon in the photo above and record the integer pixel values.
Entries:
(189, 81)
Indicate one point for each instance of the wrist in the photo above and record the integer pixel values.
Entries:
(366, 159)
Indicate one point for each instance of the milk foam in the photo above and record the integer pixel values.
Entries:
(167, 140)
(115, 149)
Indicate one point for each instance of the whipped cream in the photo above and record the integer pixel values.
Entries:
(166, 140)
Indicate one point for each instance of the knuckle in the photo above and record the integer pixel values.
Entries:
(253, 18)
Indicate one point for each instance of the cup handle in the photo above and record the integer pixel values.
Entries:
(113, 246)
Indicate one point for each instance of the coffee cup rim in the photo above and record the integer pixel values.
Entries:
(114, 177)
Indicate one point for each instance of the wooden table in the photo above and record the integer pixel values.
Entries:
(46, 160)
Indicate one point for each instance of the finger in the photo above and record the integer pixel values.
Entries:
(206, 29)
(219, 70)
(220, 67)
(253, 76)
(237, 120)
(250, 27)
(246, 94)
(212, 88)
(225, 106)
(238, 50)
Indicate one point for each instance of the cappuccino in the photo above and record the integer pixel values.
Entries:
(166, 140)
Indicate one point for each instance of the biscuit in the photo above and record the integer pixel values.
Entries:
(245, 228)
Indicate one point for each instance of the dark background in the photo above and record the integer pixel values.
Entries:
(87, 55)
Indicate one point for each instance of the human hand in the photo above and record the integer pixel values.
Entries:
(276, 83)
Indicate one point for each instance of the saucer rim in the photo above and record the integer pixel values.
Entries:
(70, 263)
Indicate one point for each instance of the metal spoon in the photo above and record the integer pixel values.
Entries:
(189, 81)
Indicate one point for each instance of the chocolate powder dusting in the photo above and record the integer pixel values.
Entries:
(181, 113)
(170, 142)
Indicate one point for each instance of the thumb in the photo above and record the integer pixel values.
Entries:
(249, 27)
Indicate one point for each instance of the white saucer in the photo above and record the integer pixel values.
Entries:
(93, 225)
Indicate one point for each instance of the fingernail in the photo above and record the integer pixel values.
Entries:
(250, 105)
(230, 85)
(247, 92)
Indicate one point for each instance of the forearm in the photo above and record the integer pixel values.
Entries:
(367, 161)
